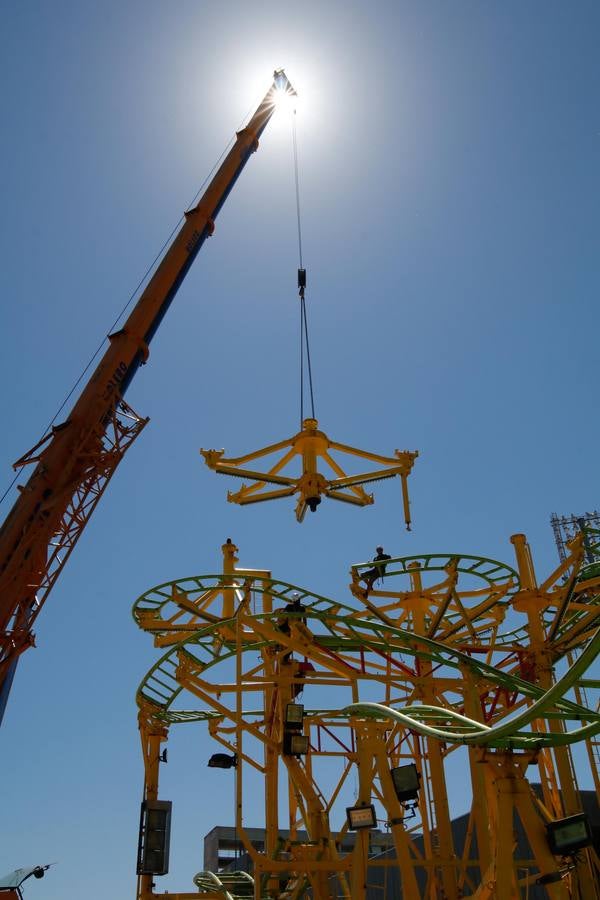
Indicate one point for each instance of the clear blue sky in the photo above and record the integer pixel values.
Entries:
(450, 190)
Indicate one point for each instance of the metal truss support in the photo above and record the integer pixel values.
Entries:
(48, 542)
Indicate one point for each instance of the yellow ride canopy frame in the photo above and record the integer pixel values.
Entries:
(310, 445)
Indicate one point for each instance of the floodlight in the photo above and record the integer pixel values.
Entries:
(154, 837)
(295, 744)
(566, 836)
(222, 761)
(294, 715)
(361, 817)
(407, 782)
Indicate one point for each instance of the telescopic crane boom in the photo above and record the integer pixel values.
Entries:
(76, 459)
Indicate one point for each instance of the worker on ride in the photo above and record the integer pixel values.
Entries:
(378, 571)
(293, 606)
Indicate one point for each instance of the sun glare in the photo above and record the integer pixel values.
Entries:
(284, 100)
(254, 81)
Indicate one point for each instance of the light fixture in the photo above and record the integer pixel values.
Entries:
(566, 836)
(407, 782)
(154, 838)
(222, 761)
(294, 715)
(361, 817)
(295, 744)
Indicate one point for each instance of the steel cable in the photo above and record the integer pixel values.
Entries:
(304, 339)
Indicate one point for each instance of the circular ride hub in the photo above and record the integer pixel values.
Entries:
(360, 713)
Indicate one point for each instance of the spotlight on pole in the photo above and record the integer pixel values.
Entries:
(294, 716)
(295, 744)
(567, 836)
(222, 761)
(407, 782)
(361, 817)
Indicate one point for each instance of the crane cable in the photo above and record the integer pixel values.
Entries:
(304, 341)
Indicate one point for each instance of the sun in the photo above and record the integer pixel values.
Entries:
(284, 96)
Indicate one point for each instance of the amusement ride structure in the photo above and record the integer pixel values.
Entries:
(455, 656)
(348, 712)
(359, 707)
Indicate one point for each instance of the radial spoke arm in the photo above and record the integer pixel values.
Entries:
(365, 500)
(243, 498)
(213, 456)
(262, 477)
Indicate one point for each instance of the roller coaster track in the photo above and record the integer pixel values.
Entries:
(178, 613)
(449, 652)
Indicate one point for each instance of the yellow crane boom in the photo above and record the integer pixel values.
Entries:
(74, 462)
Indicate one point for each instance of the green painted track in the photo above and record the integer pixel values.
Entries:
(338, 630)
